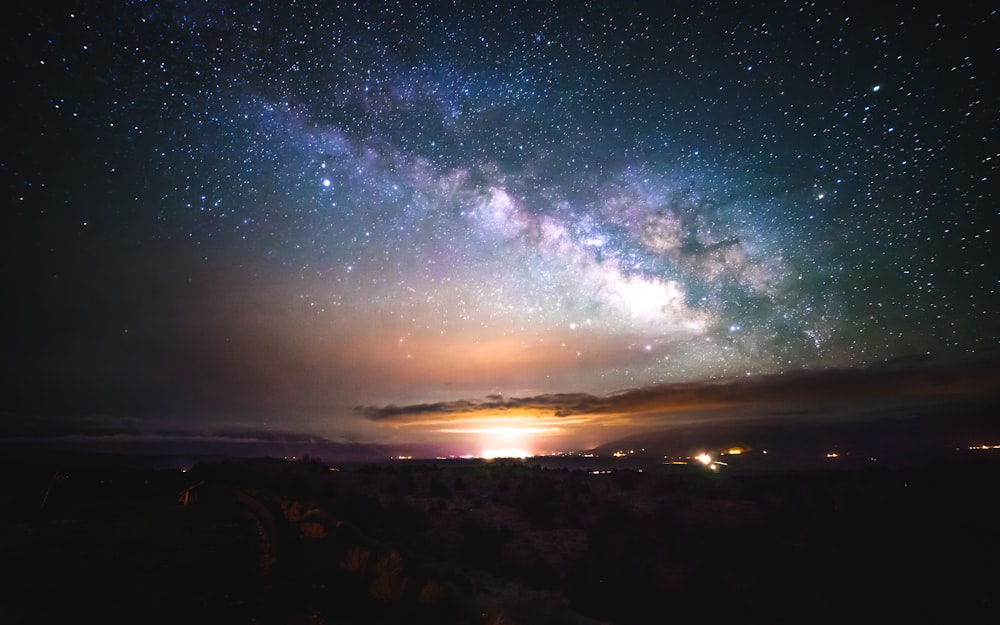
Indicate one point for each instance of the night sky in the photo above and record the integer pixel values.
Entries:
(459, 222)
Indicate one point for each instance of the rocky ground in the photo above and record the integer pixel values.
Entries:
(272, 541)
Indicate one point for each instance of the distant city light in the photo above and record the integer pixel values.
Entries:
(705, 459)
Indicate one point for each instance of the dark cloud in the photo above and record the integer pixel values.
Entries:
(899, 382)
(561, 404)
(22, 426)
(21, 434)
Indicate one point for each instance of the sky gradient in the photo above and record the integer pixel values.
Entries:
(334, 220)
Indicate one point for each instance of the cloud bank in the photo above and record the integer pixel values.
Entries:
(899, 383)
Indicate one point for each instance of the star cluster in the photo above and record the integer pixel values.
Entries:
(294, 208)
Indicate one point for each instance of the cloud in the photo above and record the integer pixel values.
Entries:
(898, 383)
(105, 434)
(16, 426)
(556, 403)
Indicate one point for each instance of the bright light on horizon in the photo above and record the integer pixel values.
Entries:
(503, 439)
(490, 454)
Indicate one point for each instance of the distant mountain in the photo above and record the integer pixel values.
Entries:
(157, 451)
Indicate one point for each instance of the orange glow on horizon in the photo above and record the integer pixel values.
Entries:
(504, 431)
(489, 454)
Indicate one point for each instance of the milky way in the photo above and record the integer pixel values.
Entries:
(274, 213)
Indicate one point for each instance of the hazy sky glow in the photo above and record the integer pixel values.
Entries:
(534, 224)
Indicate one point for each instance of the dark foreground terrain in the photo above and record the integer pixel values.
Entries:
(273, 541)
